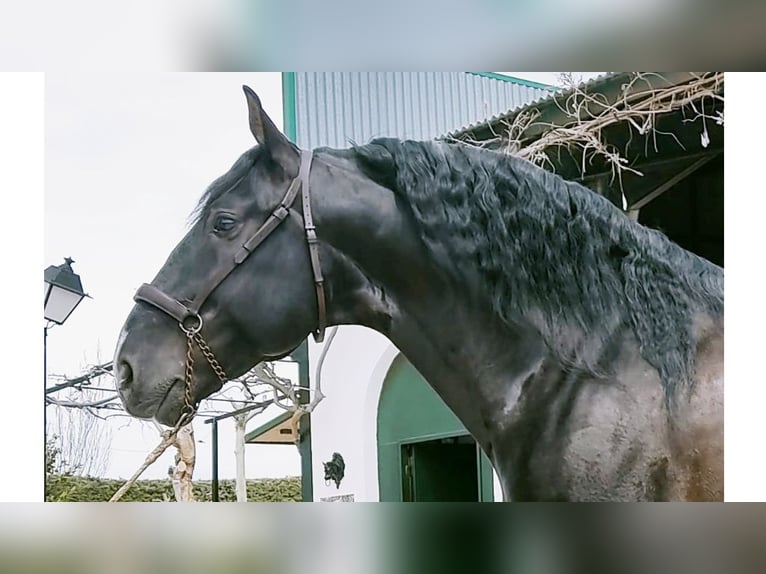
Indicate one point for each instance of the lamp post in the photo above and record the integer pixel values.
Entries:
(63, 292)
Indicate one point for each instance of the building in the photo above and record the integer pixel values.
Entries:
(399, 441)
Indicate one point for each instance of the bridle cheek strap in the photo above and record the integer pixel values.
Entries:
(180, 312)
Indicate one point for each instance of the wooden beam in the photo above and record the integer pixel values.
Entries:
(648, 165)
(681, 175)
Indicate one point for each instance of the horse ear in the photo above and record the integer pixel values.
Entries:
(268, 135)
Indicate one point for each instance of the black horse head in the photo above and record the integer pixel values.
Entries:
(262, 310)
(268, 304)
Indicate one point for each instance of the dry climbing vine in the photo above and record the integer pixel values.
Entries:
(588, 114)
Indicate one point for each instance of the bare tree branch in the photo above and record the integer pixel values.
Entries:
(92, 373)
(80, 435)
(81, 405)
(167, 440)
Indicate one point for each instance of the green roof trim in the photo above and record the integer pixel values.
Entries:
(515, 80)
(254, 434)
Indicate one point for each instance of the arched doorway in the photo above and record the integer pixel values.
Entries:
(424, 451)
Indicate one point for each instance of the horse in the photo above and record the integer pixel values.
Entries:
(582, 350)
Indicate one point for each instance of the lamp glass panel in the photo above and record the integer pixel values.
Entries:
(60, 304)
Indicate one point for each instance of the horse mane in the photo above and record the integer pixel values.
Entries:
(551, 249)
(224, 183)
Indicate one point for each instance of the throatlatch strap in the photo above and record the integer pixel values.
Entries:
(313, 243)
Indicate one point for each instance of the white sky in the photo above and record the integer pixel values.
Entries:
(127, 158)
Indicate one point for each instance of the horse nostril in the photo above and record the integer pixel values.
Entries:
(124, 375)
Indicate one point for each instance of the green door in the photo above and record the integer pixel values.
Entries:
(424, 451)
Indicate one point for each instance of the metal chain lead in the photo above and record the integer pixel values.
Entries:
(187, 413)
(189, 408)
(214, 364)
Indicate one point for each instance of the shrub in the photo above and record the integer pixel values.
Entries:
(67, 488)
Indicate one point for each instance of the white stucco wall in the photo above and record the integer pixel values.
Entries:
(497, 490)
(345, 421)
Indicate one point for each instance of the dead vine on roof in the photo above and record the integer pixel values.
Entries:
(588, 114)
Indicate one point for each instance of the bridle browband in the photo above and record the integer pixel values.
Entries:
(189, 311)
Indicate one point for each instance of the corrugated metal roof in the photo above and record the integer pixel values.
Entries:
(337, 108)
(543, 100)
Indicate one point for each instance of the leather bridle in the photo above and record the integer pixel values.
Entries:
(187, 313)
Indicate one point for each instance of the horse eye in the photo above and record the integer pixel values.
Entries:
(224, 223)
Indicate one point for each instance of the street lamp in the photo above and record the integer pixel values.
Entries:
(63, 292)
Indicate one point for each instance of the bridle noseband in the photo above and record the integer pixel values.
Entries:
(188, 315)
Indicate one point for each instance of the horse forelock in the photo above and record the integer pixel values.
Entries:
(553, 249)
(224, 183)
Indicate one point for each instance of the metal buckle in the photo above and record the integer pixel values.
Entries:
(191, 330)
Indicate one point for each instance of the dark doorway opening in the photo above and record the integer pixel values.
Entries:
(442, 470)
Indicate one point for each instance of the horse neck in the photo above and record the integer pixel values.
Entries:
(380, 275)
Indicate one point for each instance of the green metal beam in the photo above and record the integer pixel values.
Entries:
(301, 354)
(289, 113)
